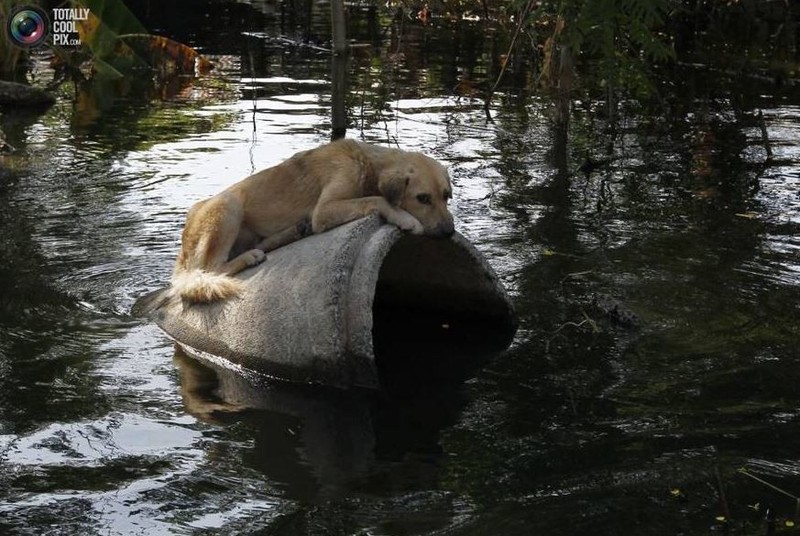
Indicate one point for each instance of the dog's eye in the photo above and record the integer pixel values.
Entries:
(425, 199)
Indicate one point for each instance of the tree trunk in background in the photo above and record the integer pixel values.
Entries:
(338, 70)
(558, 75)
(564, 82)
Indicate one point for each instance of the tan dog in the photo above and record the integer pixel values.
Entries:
(324, 187)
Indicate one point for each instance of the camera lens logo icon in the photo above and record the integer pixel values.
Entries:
(27, 26)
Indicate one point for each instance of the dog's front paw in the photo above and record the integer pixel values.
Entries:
(406, 222)
(417, 228)
(254, 256)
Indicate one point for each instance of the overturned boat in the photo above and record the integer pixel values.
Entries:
(323, 309)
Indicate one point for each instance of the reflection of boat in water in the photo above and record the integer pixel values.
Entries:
(315, 440)
(294, 426)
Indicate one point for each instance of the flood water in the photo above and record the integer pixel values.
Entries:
(653, 378)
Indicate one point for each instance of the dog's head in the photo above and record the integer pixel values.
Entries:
(421, 186)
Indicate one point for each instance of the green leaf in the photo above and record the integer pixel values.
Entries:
(101, 31)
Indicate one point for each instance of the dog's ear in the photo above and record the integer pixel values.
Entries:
(393, 187)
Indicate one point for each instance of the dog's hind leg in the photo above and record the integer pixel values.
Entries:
(243, 261)
(213, 228)
(222, 225)
(291, 234)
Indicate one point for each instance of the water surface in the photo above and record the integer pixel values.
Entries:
(658, 299)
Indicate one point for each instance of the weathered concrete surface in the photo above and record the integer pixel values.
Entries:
(306, 313)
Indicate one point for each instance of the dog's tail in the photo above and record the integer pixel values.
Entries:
(200, 286)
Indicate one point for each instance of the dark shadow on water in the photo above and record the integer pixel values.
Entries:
(423, 349)
(317, 443)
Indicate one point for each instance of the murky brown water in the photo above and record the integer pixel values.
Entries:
(659, 296)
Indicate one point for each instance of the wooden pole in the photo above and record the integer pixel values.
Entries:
(338, 70)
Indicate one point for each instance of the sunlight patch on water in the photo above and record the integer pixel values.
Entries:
(780, 185)
(121, 469)
(774, 468)
(244, 509)
(179, 178)
(96, 443)
(146, 376)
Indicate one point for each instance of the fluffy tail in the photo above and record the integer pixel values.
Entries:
(199, 286)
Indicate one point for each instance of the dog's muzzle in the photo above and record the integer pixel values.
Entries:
(444, 230)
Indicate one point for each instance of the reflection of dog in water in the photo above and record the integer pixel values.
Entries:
(310, 192)
(200, 390)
